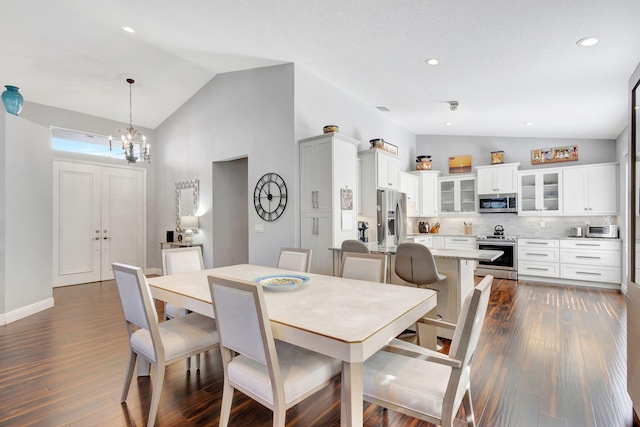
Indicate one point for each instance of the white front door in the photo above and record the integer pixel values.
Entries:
(98, 219)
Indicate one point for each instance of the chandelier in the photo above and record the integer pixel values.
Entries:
(128, 134)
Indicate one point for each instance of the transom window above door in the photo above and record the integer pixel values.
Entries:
(72, 141)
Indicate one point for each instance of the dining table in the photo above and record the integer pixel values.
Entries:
(343, 318)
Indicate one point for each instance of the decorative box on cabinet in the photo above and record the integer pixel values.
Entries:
(458, 195)
(428, 187)
(593, 260)
(538, 257)
(590, 189)
(540, 192)
(328, 164)
(410, 185)
(501, 178)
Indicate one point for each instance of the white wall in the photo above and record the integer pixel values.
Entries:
(25, 215)
(440, 147)
(240, 114)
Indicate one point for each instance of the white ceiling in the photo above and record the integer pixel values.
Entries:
(506, 61)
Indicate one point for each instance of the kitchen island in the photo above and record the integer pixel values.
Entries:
(457, 264)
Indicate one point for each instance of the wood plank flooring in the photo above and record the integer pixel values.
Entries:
(548, 356)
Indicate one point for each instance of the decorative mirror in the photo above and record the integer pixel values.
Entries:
(186, 200)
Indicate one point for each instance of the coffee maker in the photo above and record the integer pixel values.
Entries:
(363, 234)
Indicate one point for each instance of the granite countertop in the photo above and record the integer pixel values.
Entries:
(466, 254)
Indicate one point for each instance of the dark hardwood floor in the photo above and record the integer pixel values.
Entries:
(548, 356)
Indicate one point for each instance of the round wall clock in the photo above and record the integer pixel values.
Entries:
(270, 196)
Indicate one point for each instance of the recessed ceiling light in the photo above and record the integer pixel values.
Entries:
(431, 61)
(128, 29)
(448, 123)
(528, 123)
(587, 41)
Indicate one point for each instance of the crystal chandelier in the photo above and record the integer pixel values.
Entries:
(128, 145)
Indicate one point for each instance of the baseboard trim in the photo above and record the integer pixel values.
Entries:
(28, 310)
(558, 281)
(156, 271)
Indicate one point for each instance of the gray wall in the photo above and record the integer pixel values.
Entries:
(440, 147)
(26, 204)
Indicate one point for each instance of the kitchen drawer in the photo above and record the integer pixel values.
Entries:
(539, 254)
(596, 258)
(610, 245)
(424, 240)
(544, 269)
(459, 242)
(539, 243)
(590, 273)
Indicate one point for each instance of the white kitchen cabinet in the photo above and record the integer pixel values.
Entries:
(540, 192)
(328, 165)
(428, 187)
(590, 189)
(460, 242)
(539, 257)
(426, 240)
(381, 166)
(458, 195)
(502, 179)
(410, 185)
(593, 260)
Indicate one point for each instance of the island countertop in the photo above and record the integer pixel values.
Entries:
(467, 254)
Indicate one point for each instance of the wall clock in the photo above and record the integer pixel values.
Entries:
(270, 196)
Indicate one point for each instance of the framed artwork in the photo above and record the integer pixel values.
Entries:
(497, 157)
(553, 155)
(460, 164)
(346, 199)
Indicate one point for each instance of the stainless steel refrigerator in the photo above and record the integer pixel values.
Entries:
(392, 217)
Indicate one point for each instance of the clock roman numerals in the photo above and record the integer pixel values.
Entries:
(270, 196)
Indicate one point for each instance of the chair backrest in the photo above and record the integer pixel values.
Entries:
(470, 321)
(181, 260)
(243, 325)
(295, 259)
(370, 267)
(137, 302)
(354, 246)
(415, 264)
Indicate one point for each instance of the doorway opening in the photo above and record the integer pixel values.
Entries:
(230, 212)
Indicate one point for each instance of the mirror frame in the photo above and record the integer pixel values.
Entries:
(193, 184)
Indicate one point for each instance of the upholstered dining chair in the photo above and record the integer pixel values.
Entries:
(296, 259)
(370, 267)
(276, 374)
(354, 246)
(160, 344)
(414, 263)
(177, 261)
(426, 384)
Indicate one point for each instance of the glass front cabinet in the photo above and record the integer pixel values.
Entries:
(540, 192)
(458, 196)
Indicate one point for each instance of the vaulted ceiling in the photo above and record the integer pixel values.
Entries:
(506, 62)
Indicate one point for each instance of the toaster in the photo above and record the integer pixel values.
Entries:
(575, 232)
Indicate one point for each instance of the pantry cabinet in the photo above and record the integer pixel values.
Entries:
(540, 192)
(590, 189)
(458, 195)
(328, 165)
(494, 179)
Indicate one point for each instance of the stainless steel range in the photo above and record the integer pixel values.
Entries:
(506, 266)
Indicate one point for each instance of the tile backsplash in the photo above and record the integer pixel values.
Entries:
(514, 225)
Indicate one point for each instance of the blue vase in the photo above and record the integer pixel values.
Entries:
(12, 100)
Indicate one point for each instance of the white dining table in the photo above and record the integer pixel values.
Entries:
(343, 318)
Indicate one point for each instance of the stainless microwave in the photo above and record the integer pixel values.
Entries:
(497, 203)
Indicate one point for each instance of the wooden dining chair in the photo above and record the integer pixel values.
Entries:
(160, 344)
(370, 267)
(295, 259)
(178, 261)
(276, 374)
(426, 384)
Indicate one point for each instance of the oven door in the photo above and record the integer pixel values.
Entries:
(505, 262)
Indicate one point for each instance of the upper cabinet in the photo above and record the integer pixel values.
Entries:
(410, 185)
(590, 189)
(501, 178)
(428, 187)
(385, 167)
(540, 192)
(458, 195)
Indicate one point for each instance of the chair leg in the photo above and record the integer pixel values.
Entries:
(129, 376)
(468, 408)
(225, 406)
(279, 415)
(155, 396)
(198, 362)
(187, 362)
